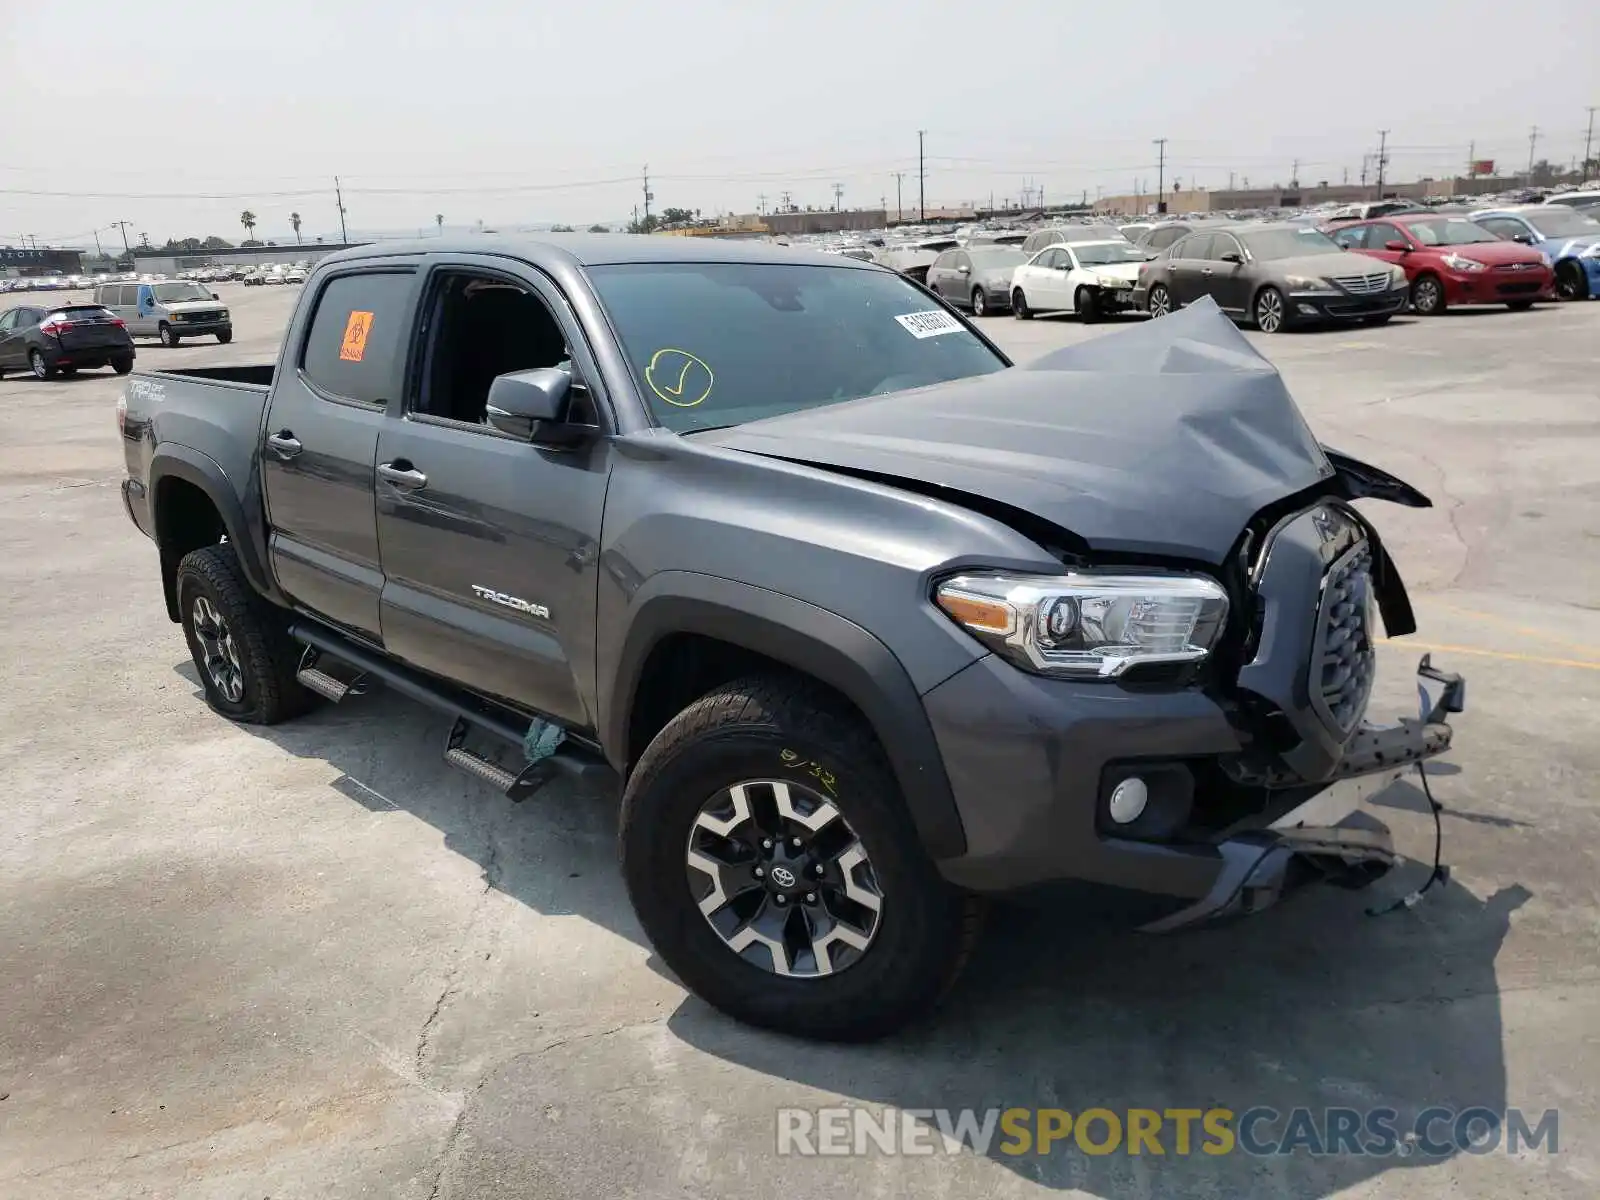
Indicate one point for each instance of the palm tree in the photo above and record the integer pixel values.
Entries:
(248, 220)
(294, 221)
(438, 219)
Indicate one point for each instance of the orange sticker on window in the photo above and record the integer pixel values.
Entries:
(354, 346)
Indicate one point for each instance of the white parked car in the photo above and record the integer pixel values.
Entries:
(273, 277)
(1090, 279)
(294, 275)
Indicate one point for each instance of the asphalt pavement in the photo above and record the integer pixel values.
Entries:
(313, 961)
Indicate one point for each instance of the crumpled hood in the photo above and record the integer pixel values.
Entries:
(1129, 271)
(1162, 439)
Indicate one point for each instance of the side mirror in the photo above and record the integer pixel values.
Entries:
(1397, 246)
(963, 269)
(1232, 256)
(532, 406)
(1525, 238)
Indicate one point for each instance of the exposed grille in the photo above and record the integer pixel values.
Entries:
(1343, 660)
(1363, 285)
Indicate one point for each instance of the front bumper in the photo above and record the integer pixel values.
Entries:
(196, 328)
(1498, 286)
(1251, 788)
(1340, 306)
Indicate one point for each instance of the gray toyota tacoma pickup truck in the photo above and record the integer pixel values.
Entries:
(866, 622)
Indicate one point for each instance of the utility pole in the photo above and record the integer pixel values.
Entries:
(648, 195)
(1588, 138)
(1294, 175)
(1383, 159)
(761, 204)
(1533, 141)
(1472, 158)
(783, 197)
(1230, 181)
(338, 198)
(922, 177)
(838, 197)
(123, 225)
(98, 253)
(899, 209)
(1161, 174)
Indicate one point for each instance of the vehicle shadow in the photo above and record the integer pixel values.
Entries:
(1312, 1005)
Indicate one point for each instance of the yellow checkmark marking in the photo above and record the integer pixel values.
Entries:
(661, 364)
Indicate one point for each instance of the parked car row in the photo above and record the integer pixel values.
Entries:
(1278, 274)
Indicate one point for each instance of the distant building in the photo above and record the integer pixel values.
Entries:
(826, 221)
(1233, 199)
(166, 262)
(43, 261)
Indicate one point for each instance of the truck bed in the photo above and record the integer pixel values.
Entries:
(251, 375)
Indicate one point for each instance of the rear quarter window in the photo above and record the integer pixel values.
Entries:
(357, 331)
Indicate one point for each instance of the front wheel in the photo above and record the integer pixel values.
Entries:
(1087, 303)
(240, 643)
(1571, 282)
(1427, 296)
(168, 338)
(224, 336)
(1268, 310)
(773, 864)
(1019, 306)
(980, 303)
(1160, 302)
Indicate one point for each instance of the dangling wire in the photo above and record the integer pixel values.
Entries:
(1440, 873)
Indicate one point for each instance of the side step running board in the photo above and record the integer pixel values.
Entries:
(330, 687)
(576, 758)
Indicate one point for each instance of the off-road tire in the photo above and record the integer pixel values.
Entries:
(777, 727)
(267, 656)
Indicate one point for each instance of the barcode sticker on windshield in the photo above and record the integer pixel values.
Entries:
(929, 324)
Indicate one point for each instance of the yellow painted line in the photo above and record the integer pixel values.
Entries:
(1507, 655)
(1526, 631)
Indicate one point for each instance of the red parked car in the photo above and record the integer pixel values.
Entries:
(1451, 260)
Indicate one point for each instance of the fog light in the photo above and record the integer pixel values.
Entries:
(1128, 799)
(1309, 310)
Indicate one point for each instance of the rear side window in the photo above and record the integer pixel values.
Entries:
(356, 332)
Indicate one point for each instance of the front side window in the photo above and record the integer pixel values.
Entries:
(717, 344)
(356, 334)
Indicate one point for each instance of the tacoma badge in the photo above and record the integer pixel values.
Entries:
(522, 606)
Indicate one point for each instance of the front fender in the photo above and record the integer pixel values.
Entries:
(811, 640)
(176, 461)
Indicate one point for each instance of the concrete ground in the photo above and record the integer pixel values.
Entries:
(313, 961)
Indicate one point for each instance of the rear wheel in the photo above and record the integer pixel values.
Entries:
(168, 338)
(240, 643)
(1019, 306)
(980, 303)
(40, 368)
(1427, 296)
(1571, 282)
(1160, 302)
(1268, 310)
(122, 365)
(772, 862)
(1087, 303)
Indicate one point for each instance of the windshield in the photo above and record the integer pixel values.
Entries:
(1563, 222)
(176, 293)
(995, 257)
(1268, 244)
(1449, 231)
(716, 344)
(1113, 252)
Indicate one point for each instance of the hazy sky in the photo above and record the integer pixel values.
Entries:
(521, 111)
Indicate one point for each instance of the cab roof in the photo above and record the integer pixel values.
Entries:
(606, 249)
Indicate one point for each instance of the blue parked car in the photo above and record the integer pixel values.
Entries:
(1569, 241)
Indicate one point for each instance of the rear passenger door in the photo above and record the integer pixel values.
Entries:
(1228, 282)
(342, 366)
(937, 272)
(1189, 259)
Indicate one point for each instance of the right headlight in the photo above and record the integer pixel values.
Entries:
(1088, 625)
(1308, 283)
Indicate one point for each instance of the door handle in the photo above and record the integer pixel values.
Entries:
(284, 444)
(402, 475)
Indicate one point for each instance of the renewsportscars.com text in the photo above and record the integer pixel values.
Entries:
(1260, 1131)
